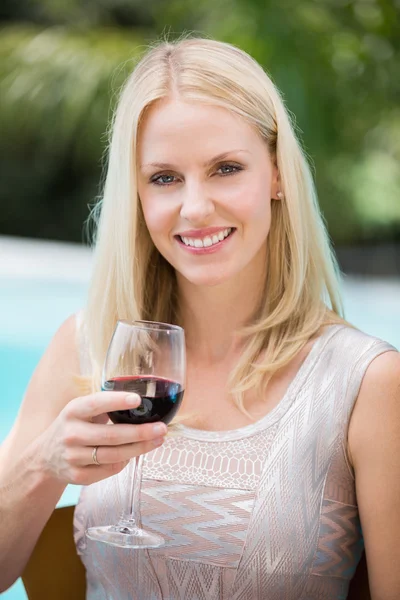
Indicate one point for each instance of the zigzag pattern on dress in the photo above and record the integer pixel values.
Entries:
(284, 529)
(198, 523)
(340, 543)
(186, 582)
(265, 512)
(290, 492)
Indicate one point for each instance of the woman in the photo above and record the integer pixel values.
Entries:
(290, 435)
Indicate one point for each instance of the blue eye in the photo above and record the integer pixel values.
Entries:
(228, 169)
(163, 179)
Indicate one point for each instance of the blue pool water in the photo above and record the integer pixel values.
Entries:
(31, 311)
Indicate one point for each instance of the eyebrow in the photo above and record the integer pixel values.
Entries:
(218, 157)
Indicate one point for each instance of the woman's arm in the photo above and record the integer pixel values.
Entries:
(374, 444)
(50, 446)
(28, 494)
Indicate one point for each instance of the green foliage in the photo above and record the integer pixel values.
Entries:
(57, 90)
(336, 61)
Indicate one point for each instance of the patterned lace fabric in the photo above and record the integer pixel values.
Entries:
(264, 511)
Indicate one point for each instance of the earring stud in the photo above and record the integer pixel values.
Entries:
(279, 195)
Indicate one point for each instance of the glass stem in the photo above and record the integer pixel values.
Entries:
(131, 514)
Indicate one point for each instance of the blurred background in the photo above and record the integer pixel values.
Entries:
(62, 63)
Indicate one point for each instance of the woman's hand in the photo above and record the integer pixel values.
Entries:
(65, 449)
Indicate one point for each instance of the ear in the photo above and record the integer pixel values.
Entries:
(276, 188)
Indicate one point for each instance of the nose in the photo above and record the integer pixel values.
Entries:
(197, 207)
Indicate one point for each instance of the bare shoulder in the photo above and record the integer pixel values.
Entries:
(383, 370)
(381, 383)
(52, 385)
(378, 402)
(54, 378)
(62, 353)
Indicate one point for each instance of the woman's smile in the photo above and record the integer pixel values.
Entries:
(205, 241)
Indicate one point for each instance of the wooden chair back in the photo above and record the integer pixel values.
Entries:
(54, 570)
(359, 586)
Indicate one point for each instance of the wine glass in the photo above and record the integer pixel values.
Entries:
(147, 358)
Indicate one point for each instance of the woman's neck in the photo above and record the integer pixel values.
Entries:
(212, 315)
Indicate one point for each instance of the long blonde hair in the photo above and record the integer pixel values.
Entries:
(131, 280)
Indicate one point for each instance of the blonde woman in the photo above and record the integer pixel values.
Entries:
(288, 442)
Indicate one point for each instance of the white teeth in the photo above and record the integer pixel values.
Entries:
(207, 241)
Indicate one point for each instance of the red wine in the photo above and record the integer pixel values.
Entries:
(161, 399)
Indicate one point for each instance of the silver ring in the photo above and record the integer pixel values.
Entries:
(94, 456)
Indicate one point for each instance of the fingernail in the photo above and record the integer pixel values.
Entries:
(159, 429)
(157, 442)
(133, 399)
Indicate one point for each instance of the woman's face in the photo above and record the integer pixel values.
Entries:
(205, 181)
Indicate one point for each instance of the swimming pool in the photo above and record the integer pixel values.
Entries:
(39, 292)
